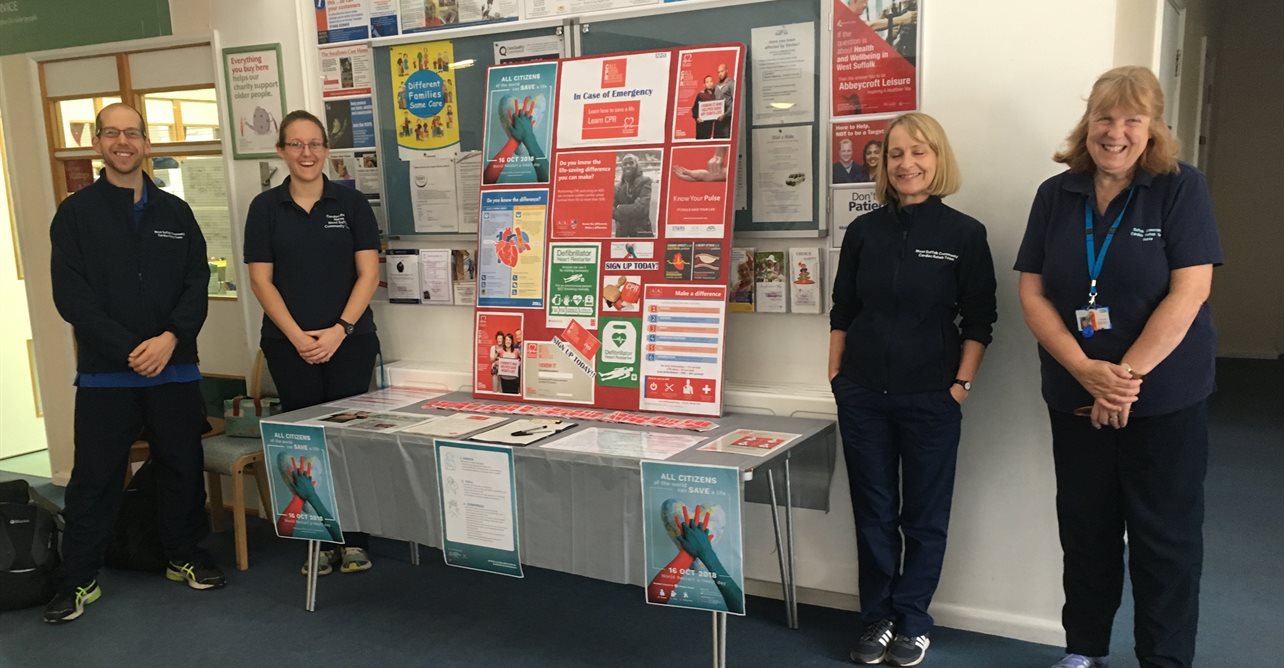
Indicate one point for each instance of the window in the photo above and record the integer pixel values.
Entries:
(174, 91)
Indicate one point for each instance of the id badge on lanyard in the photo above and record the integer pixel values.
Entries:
(1094, 317)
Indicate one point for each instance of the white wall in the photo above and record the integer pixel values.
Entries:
(1137, 30)
(1247, 141)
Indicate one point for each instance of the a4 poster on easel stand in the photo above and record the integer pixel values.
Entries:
(606, 229)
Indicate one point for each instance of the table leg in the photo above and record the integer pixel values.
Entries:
(792, 598)
(314, 563)
(414, 553)
(780, 544)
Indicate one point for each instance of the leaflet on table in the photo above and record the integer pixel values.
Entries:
(601, 194)
(554, 371)
(358, 170)
(573, 284)
(477, 495)
(846, 205)
(423, 98)
(621, 443)
(856, 146)
(535, 9)
(706, 97)
(782, 174)
(383, 423)
(524, 431)
(388, 398)
(341, 20)
(743, 280)
(784, 73)
(454, 426)
(619, 99)
(350, 124)
(301, 482)
(831, 276)
(769, 291)
(750, 442)
(468, 190)
(519, 134)
(345, 70)
(691, 530)
(433, 195)
(424, 15)
(527, 49)
(512, 248)
(874, 60)
(618, 417)
(497, 354)
(804, 280)
(698, 192)
(683, 327)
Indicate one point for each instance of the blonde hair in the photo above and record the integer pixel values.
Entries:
(947, 179)
(1137, 90)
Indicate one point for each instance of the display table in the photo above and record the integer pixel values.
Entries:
(577, 513)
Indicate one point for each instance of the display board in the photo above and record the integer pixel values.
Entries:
(605, 226)
(798, 185)
(467, 106)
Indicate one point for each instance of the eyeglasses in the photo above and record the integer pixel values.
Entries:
(297, 146)
(112, 133)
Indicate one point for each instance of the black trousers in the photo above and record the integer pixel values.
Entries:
(1146, 479)
(107, 422)
(300, 384)
(900, 451)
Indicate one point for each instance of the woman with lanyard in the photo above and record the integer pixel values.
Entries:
(900, 368)
(312, 246)
(1116, 267)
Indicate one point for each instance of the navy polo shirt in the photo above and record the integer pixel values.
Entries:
(312, 253)
(1168, 225)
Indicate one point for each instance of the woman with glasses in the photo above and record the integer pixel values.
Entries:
(312, 246)
(1116, 266)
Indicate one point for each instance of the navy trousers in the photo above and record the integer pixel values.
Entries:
(301, 385)
(1146, 479)
(107, 422)
(901, 451)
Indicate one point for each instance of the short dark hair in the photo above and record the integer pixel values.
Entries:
(300, 115)
(98, 119)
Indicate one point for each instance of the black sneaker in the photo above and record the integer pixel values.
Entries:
(197, 576)
(70, 603)
(907, 650)
(872, 646)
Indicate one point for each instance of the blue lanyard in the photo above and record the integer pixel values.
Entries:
(1095, 259)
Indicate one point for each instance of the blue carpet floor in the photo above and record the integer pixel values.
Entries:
(429, 615)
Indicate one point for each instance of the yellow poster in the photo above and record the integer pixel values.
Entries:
(426, 108)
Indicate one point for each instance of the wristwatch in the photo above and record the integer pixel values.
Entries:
(967, 384)
(347, 327)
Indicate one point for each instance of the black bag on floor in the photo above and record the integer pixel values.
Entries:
(135, 541)
(28, 547)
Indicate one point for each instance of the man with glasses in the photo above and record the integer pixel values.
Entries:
(130, 275)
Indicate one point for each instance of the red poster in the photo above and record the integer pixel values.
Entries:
(706, 97)
(874, 58)
(857, 149)
(697, 201)
(79, 174)
(497, 354)
(611, 120)
(581, 339)
(583, 187)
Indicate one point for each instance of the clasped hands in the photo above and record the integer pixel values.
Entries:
(317, 346)
(150, 357)
(1114, 390)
